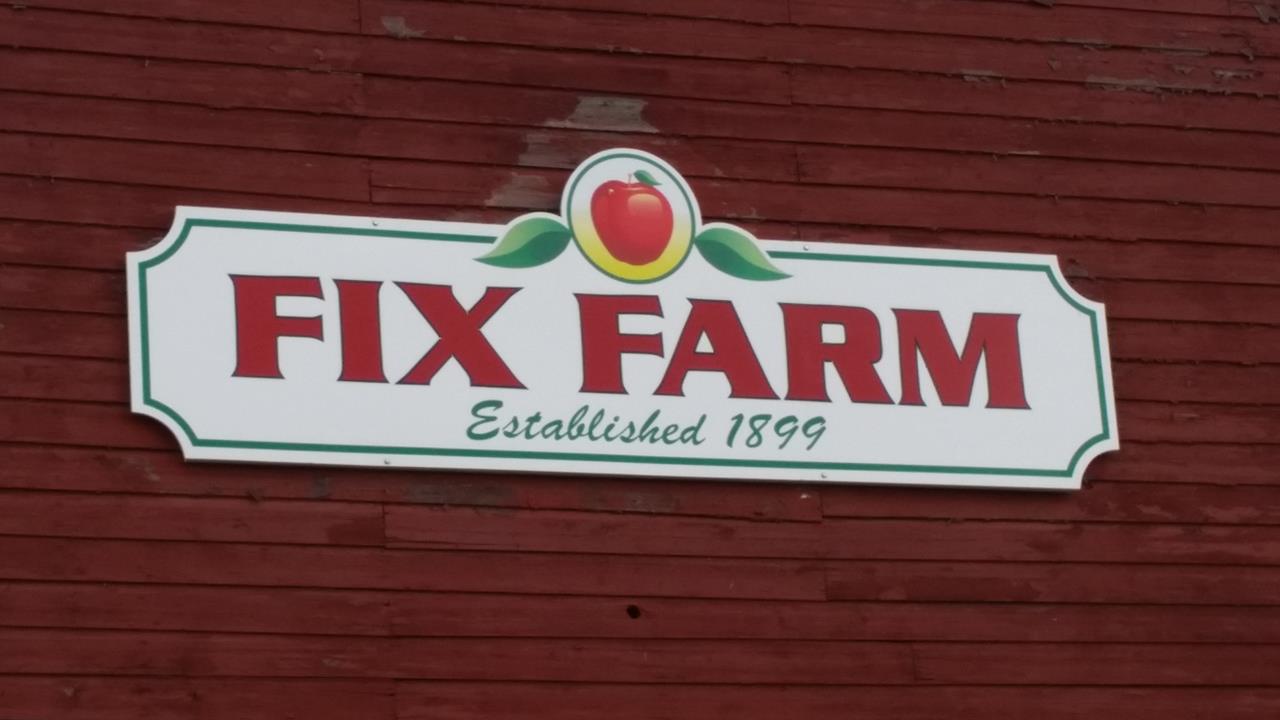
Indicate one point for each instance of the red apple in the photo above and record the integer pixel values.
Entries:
(633, 220)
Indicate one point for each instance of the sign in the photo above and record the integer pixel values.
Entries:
(655, 345)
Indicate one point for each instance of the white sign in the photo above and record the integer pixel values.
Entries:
(656, 346)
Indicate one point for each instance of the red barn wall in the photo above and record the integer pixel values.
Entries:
(1139, 141)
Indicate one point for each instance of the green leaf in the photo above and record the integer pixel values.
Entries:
(645, 177)
(529, 241)
(734, 252)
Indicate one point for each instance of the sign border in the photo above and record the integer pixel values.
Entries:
(188, 218)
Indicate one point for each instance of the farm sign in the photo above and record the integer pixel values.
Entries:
(620, 336)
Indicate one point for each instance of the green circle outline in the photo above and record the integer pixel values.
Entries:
(694, 220)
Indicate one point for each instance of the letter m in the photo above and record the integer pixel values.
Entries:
(923, 336)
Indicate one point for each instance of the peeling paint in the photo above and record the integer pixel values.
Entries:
(321, 488)
(483, 494)
(542, 150)
(1087, 43)
(1182, 50)
(600, 112)
(1110, 83)
(1267, 12)
(144, 466)
(981, 76)
(397, 27)
(523, 192)
(1228, 75)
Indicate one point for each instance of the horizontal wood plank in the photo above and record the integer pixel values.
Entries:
(644, 661)
(1130, 100)
(326, 15)
(1028, 21)
(104, 560)
(243, 519)
(510, 701)
(1164, 462)
(878, 539)
(412, 614)
(579, 660)
(179, 698)
(946, 582)
(1099, 502)
(260, 171)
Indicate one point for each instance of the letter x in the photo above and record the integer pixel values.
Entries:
(460, 335)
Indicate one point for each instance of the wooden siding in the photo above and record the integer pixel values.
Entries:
(1139, 141)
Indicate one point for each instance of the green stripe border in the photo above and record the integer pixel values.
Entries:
(197, 441)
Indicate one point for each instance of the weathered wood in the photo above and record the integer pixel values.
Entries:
(1099, 502)
(197, 609)
(604, 72)
(238, 170)
(1104, 99)
(43, 332)
(1259, 384)
(518, 616)
(182, 698)
(1191, 423)
(326, 15)
(1096, 664)
(1022, 541)
(947, 582)
(1230, 8)
(644, 661)
(1241, 464)
(70, 245)
(244, 519)
(580, 660)
(212, 85)
(1019, 174)
(511, 701)
(805, 45)
(136, 206)
(539, 108)
(411, 614)
(124, 561)
(1027, 21)
(38, 288)
(754, 11)
(60, 378)
(1185, 341)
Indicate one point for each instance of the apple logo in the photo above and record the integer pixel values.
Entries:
(633, 219)
(637, 230)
